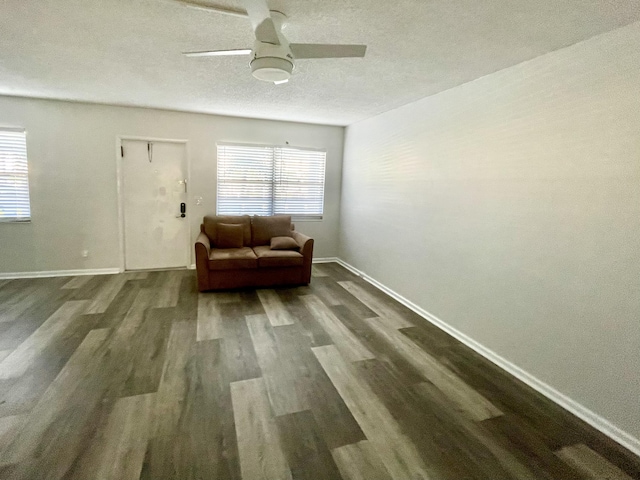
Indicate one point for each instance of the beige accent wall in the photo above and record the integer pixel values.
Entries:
(72, 173)
(509, 207)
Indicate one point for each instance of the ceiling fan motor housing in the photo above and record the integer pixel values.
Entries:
(271, 63)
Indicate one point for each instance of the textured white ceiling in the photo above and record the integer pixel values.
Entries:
(129, 51)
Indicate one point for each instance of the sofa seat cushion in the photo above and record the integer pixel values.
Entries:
(277, 258)
(232, 258)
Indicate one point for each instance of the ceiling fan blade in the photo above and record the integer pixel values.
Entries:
(218, 53)
(211, 8)
(319, 50)
(263, 25)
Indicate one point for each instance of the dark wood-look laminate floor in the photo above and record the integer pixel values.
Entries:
(138, 375)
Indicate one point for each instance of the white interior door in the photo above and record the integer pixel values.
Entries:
(154, 185)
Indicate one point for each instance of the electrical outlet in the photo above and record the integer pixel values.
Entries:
(198, 200)
(85, 253)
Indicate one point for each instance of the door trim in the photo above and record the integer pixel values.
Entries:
(120, 190)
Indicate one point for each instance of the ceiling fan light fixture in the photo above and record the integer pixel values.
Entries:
(271, 69)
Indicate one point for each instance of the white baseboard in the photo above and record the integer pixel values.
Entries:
(192, 266)
(579, 410)
(357, 272)
(326, 260)
(59, 273)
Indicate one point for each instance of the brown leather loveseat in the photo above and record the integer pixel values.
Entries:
(244, 251)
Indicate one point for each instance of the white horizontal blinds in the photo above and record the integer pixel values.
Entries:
(14, 176)
(299, 182)
(255, 180)
(245, 180)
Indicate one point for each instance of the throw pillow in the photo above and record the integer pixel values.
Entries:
(229, 236)
(284, 243)
(210, 226)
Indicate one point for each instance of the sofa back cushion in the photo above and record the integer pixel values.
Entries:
(210, 227)
(265, 228)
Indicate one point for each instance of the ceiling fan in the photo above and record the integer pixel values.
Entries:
(272, 56)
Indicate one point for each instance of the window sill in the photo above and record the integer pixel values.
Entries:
(14, 220)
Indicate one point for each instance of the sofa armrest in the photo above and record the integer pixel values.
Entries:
(203, 250)
(203, 241)
(303, 241)
(306, 249)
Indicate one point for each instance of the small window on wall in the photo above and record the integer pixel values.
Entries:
(256, 180)
(14, 176)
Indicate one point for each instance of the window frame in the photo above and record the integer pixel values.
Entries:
(294, 217)
(24, 219)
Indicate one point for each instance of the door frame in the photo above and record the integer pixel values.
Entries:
(120, 190)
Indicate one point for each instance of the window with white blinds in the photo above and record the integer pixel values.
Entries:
(256, 180)
(14, 176)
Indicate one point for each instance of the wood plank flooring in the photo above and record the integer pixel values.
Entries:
(138, 375)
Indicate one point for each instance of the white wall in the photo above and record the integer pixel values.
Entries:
(509, 207)
(72, 173)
